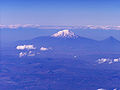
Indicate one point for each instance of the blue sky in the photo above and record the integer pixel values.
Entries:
(60, 12)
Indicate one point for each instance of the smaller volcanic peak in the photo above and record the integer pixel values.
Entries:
(65, 34)
(111, 39)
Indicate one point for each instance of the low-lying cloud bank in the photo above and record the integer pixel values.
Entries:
(22, 47)
(30, 47)
(29, 50)
(61, 27)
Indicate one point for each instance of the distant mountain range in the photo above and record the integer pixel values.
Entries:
(66, 40)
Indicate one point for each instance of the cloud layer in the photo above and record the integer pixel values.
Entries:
(60, 27)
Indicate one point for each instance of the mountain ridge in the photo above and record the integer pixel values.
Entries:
(111, 38)
(67, 40)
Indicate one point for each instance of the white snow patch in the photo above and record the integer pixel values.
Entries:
(64, 33)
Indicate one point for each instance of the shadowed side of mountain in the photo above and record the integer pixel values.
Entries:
(111, 40)
(110, 44)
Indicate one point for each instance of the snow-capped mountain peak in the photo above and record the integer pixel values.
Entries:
(65, 33)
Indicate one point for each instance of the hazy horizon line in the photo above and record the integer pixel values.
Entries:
(38, 26)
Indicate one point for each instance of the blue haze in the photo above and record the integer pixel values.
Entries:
(60, 12)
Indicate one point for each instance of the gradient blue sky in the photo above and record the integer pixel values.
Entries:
(60, 12)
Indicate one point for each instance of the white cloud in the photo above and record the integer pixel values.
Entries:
(21, 54)
(108, 60)
(43, 49)
(22, 47)
(101, 89)
(30, 53)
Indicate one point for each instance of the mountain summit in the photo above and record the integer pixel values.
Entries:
(111, 40)
(65, 34)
